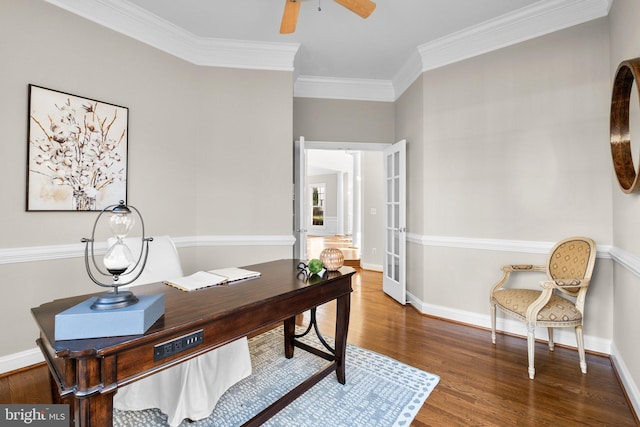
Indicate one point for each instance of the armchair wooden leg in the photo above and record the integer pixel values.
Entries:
(550, 339)
(531, 344)
(493, 323)
(580, 340)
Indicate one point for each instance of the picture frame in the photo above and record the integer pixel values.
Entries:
(77, 157)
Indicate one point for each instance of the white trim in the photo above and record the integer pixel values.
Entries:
(19, 360)
(526, 246)
(510, 326)
(349, 146)
(371, 267)
(234, 240)
(626, 259)
(46, 253)
(343, 88)
(630, 387)
(51, 252)
(408, 73)
(529, 22)
(540, 18)
(135, 22)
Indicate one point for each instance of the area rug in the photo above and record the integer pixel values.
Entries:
(380, 391)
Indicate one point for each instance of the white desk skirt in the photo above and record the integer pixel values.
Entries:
(190, 389)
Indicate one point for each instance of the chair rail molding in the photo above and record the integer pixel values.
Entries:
(525, 246)
(51, 252)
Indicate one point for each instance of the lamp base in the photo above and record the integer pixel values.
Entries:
(113, 300)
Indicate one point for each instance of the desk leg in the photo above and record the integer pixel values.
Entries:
(94, 409)
(289, 332)
(342, 326)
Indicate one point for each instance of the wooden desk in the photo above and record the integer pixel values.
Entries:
(89, 371)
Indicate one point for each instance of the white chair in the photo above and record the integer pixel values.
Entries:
(190, 389)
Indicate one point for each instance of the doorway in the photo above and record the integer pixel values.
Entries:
(333, 202)
(355, 225)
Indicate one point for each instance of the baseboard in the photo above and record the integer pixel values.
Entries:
(564, 337)
(19, 360)
(625, 377)
(371, 267)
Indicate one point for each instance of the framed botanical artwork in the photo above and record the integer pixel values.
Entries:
(77, 155)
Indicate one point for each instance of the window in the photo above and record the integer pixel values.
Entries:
(318, 196)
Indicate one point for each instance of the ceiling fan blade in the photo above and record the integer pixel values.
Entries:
(289, 16)
(359, 7)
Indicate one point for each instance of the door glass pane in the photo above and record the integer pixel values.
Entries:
(396, 163)
(396, 216)
(317, 204)
(396, 190)
(396, 242)
(396, 269)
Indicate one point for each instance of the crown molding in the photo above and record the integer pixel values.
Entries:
(407, 74)
(540, 18)
(351, 89)
(135, 22)
(543, 17)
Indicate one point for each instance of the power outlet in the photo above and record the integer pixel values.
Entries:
(177, 345)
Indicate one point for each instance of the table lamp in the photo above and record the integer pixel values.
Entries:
(118, 258)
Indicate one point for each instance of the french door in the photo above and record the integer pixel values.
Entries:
(299, 201)
(395, 218)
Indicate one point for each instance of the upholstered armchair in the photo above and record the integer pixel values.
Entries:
(559, 302)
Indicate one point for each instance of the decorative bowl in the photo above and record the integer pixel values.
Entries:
(332, 258)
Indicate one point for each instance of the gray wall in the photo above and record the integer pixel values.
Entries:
(515, 149)
(508, 147)
(372, 173)
(200, 141)
(343, 121)
(625, 44)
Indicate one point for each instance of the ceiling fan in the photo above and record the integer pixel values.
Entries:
(362, 8)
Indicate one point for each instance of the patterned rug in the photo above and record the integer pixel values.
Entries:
(380, 391)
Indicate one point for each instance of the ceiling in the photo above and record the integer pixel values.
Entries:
(335, 42)
(383, 53)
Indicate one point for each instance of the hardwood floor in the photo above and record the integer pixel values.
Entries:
(482, 384)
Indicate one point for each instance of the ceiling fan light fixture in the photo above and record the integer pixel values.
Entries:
(289, 16)
(362, 8)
